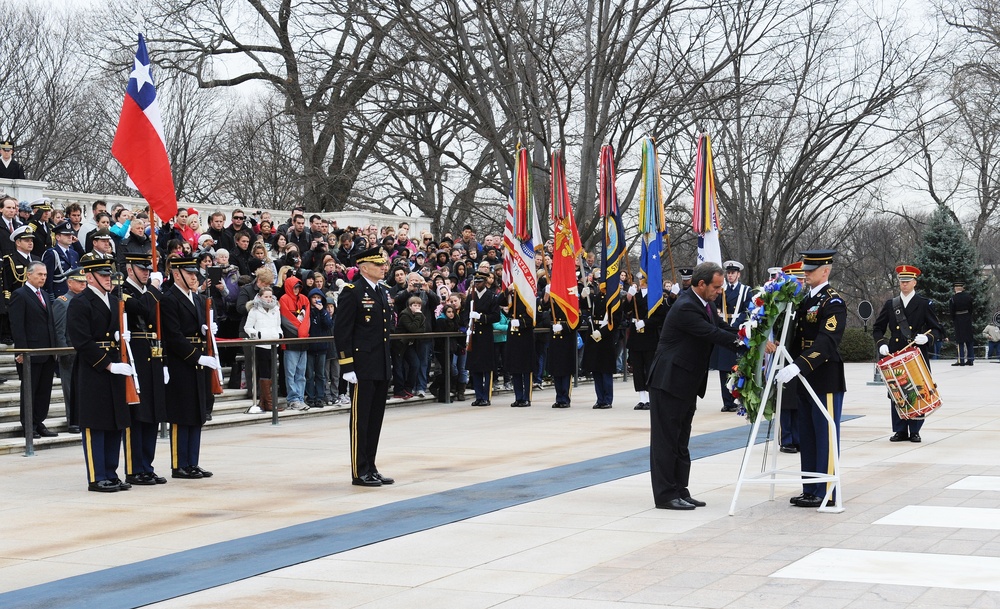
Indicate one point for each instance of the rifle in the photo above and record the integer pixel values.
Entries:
(211, 348)
(132, 381)
(468, 331)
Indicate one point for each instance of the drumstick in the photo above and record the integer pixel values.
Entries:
(911, 343)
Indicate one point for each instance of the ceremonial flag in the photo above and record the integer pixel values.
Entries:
(519, 233)
(139, 145)
(706, 210)
(652, 225)
(567, 248)
(614, 236)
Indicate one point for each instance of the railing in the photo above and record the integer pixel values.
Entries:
(29, 442)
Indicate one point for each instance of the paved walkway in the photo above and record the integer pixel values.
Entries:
(511, 508)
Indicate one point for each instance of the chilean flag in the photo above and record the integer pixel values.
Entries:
(139, 145)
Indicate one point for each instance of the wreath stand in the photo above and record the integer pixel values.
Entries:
(770, 474)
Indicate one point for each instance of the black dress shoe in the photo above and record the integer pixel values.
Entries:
(140, 479)
(899, 437)
(520, 404)
(675, 504)
(560, 405)
(103, 486)
(478, 403)
(383, 479)
(796, 498)
(204, 472)
(729, 409)
(36, 435)
(187, 473)
(157, 479)
(695, 502)
(788, 448)
(958, 364)
(808, 501)
(968, 363)
(602, 406)
(73, 429)
(914, 437)
(122, 486)
(45, 432)
(366, 480)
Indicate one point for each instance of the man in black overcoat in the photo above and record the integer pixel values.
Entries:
(677, 378)
(32, 325)
(961, 311)
(643, 334)
(99, 375)
(906, 317)
(482, 310)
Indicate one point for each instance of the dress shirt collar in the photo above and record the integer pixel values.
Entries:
(816, 290)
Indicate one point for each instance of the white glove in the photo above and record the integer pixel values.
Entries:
(125, 336)
(556, 328)
(602, 323)
(548, 288)
(787, 373)
(120, 368)
(639, 324)
(475, 315)
(209, 362)
(675, 289)
(632, 290)
(515, 323)
(156, 278)
(215, 328)
(166, 376)
(920, 339)
(350, 377)
(585, 292)
(596, 335)
(883, 350)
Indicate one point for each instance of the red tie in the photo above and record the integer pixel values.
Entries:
(40, 299)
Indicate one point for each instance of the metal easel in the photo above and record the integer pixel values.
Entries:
(771, 475)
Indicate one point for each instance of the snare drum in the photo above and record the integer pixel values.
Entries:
(909, 382)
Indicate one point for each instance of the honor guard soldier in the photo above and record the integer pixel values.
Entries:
(482, 311)
(960, 308)
(600, 348)
(142, 308)
(790, 396)
(99, 376)
(814, 343)
(61, 259)
(907, 318)
(39, 223)
(519, 350)
(732, 305)
(77, 283)
(365, 317)
(189, 368)
(562, 356)
(643, 335)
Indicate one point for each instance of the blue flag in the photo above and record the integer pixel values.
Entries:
(651, 265)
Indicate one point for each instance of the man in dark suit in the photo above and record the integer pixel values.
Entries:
(32, 325)
(815, 339)
(906, 317)
(99, 375)
(364, 319)
(678, 376)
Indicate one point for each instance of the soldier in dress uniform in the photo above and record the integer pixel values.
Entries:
(906, 317)
(643, 335)
(819, 327)
(365, 318)
(142, 308)
(189, 368)
(482, 311)
(99, 376)
(102, 243)
(9, 168)
(15, 265)
(39, 223)
(76, 282)
(732, 306)
(790, 396)
(600, 345)
(960, 307)
(61, 259)
(519, 353)
(561, 358)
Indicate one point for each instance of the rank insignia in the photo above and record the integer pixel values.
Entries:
(831, 324)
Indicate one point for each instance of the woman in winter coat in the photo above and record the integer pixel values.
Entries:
(295, 316)
(264, 322)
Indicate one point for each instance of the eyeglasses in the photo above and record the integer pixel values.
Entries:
(239, 217)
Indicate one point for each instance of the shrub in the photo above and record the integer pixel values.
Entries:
(857, 346)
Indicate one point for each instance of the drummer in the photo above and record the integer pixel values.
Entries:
(907, 317)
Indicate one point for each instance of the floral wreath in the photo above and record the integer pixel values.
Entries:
(746, 382)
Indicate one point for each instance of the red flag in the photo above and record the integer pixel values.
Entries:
(567, 247)
(139, 145)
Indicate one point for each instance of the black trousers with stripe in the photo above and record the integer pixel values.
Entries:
(185, 445)
(140, 447)
(367, 411)
(101, 450)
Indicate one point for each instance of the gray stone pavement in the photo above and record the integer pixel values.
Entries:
(905, 539)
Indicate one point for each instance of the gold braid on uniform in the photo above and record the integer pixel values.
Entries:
(23, 277)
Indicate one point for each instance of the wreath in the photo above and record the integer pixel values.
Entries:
(746, 382)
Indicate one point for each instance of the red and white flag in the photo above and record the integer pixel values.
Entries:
(139, 145)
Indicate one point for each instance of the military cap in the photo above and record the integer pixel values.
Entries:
(95, 264)
(143, 261)
(773, 271)
(77, 274)
(64, 228)
(732, 265)
(102, 233)
(185, 263)
(480, 276)
(42, 205)
(685, 273)
(794, 269)
(25, 231)
(374, 255)
(6, 145)
(958, 284)
(813, 259)
(907, 272)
